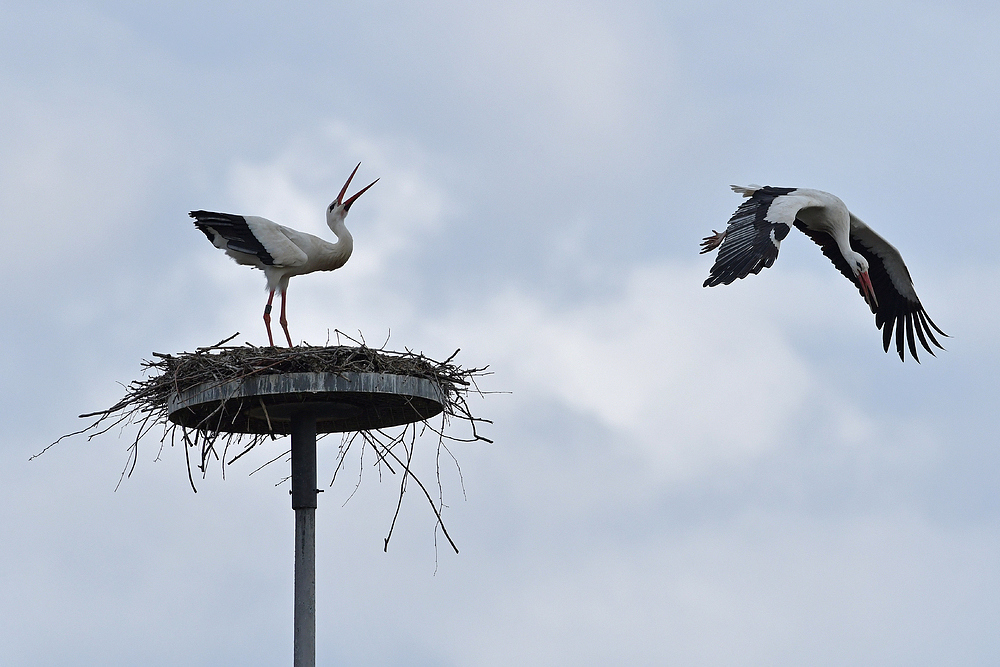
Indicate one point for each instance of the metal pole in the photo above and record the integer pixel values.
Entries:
(304, 503)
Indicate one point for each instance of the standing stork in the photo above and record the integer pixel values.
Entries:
(279, 251)
(751, 240)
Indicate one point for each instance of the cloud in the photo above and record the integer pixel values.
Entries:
(680, 475)
(296, 186)
(691, 378)
(76, 162)
(773, 586)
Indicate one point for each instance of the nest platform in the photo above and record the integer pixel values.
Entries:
(340, 402)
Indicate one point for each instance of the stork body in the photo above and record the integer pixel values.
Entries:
(279, 251)
(751, 240)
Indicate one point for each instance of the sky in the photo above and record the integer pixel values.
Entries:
(678, 475)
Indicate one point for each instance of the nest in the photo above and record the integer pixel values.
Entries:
(146, 402)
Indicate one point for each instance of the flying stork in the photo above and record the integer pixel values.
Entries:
(751, 240)
(278, 251)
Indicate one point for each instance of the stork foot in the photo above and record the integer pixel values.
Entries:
(710, 243)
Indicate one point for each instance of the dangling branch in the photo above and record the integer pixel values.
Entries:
(146, 402)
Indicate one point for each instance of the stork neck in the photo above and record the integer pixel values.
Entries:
(841, 233)
(345, 242)
(845, 247)
(844, 244)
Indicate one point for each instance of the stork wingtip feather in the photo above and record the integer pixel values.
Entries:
(746, 190)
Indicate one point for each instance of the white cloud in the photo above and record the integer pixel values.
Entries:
(750, 589)
(390, 224)
(295, 188)
(691, 378)
(680, 475)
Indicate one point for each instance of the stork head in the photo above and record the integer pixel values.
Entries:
(860, 267)
(340, 207)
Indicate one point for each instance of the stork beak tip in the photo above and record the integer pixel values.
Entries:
(868, 290)
(343, 190)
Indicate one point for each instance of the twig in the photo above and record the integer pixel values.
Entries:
(146, 402)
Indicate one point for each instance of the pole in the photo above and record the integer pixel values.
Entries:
(304, 504)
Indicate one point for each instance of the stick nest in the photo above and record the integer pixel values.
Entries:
(145, 404)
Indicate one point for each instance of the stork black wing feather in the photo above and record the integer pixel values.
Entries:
(910, 339)
(894, 310)
(751, 242)
(234, 229)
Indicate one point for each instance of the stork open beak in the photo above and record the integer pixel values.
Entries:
(343, 190)
(867, 290)
(347, 204)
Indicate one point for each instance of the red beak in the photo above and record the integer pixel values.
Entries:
(343, 190)
(867, 290)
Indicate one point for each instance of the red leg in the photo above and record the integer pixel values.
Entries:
(267, 317)
(284, 322)
(710, 243)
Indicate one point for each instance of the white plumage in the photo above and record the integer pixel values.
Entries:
(279, 251)
(754, 234)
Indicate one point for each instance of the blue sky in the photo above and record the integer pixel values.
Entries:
(726, 476)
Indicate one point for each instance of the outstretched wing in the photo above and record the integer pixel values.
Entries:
(753, 235)
(249, 240)
(898, 306)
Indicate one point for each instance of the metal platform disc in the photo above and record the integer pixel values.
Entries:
(341, 402)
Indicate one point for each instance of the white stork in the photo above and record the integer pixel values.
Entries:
(278, 251)
(751, 240)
